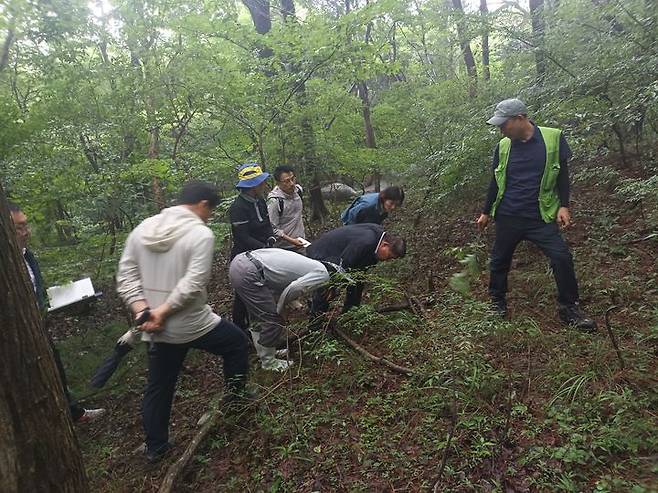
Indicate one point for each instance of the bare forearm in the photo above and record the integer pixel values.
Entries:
(138, 306)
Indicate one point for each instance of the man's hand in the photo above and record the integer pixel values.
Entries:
(563, 217)
(295, 241)
(482, 221)
(156, 320)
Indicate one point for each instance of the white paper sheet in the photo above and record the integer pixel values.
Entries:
(305, 242)
(70, 293)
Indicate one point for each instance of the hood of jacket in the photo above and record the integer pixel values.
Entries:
(162, 231)
(280, 194)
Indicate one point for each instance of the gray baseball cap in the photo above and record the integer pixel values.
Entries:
(507, 109)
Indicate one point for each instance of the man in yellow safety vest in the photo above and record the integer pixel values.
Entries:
(529, 199)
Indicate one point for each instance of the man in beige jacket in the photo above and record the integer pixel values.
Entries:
(164, 268)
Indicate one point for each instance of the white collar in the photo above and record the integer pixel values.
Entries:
(379, 242)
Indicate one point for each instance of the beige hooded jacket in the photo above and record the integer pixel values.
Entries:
(168, 258)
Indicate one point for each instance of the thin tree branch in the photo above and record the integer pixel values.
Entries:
(377, 359)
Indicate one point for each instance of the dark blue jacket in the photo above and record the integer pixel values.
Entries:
(351, 246)
(365, 209)
(250, 224)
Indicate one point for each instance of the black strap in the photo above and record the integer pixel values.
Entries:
(256, 262)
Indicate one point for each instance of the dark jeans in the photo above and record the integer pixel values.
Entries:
(321, 297)
(165, 361)
(510, 231)
(76, 410)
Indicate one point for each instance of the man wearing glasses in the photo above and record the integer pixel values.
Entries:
(285, 207)
(78, 413)
(529, 198)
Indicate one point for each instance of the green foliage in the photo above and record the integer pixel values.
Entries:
(471, 258)
(85, 90)
(105, 106)
(83, 354)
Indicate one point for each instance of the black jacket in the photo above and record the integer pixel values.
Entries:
(39, 288)
(351, 246)
(250, 224)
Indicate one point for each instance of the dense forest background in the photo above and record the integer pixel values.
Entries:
(107, 107)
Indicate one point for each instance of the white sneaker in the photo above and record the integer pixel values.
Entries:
(91, 415)
(276, 365)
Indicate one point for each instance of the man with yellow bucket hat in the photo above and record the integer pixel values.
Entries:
(250, 224)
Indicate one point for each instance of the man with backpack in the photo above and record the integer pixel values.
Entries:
(373, 207)
(285, 207)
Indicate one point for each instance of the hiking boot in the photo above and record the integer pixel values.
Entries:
(235, 402)
(499, 307)
(246, 395)
(574, 315)
(158, 454)
(90, 415)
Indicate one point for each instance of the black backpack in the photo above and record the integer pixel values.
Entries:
(282, 202)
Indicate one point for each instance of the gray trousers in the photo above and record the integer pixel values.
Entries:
(248, 281)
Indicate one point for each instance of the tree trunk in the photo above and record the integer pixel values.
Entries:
(309, 158)
(465, 44)
(260, 14)
(318, 208)
(365, 110)
(39, 451)
(6, 46)
(154, 153)
(484, 12)
(287, 9)
(369, 131)
(538, 26)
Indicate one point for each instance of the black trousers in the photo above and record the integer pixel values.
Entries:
(76, 410)
(510, 231)
(321, 297)
(239, 313)
(165, 361)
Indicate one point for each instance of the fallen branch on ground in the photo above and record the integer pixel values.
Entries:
(640, 240)
(416, 305)
(207, 422)
(611, 334)
(377, 359)
(394, 308)
(177, 467)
